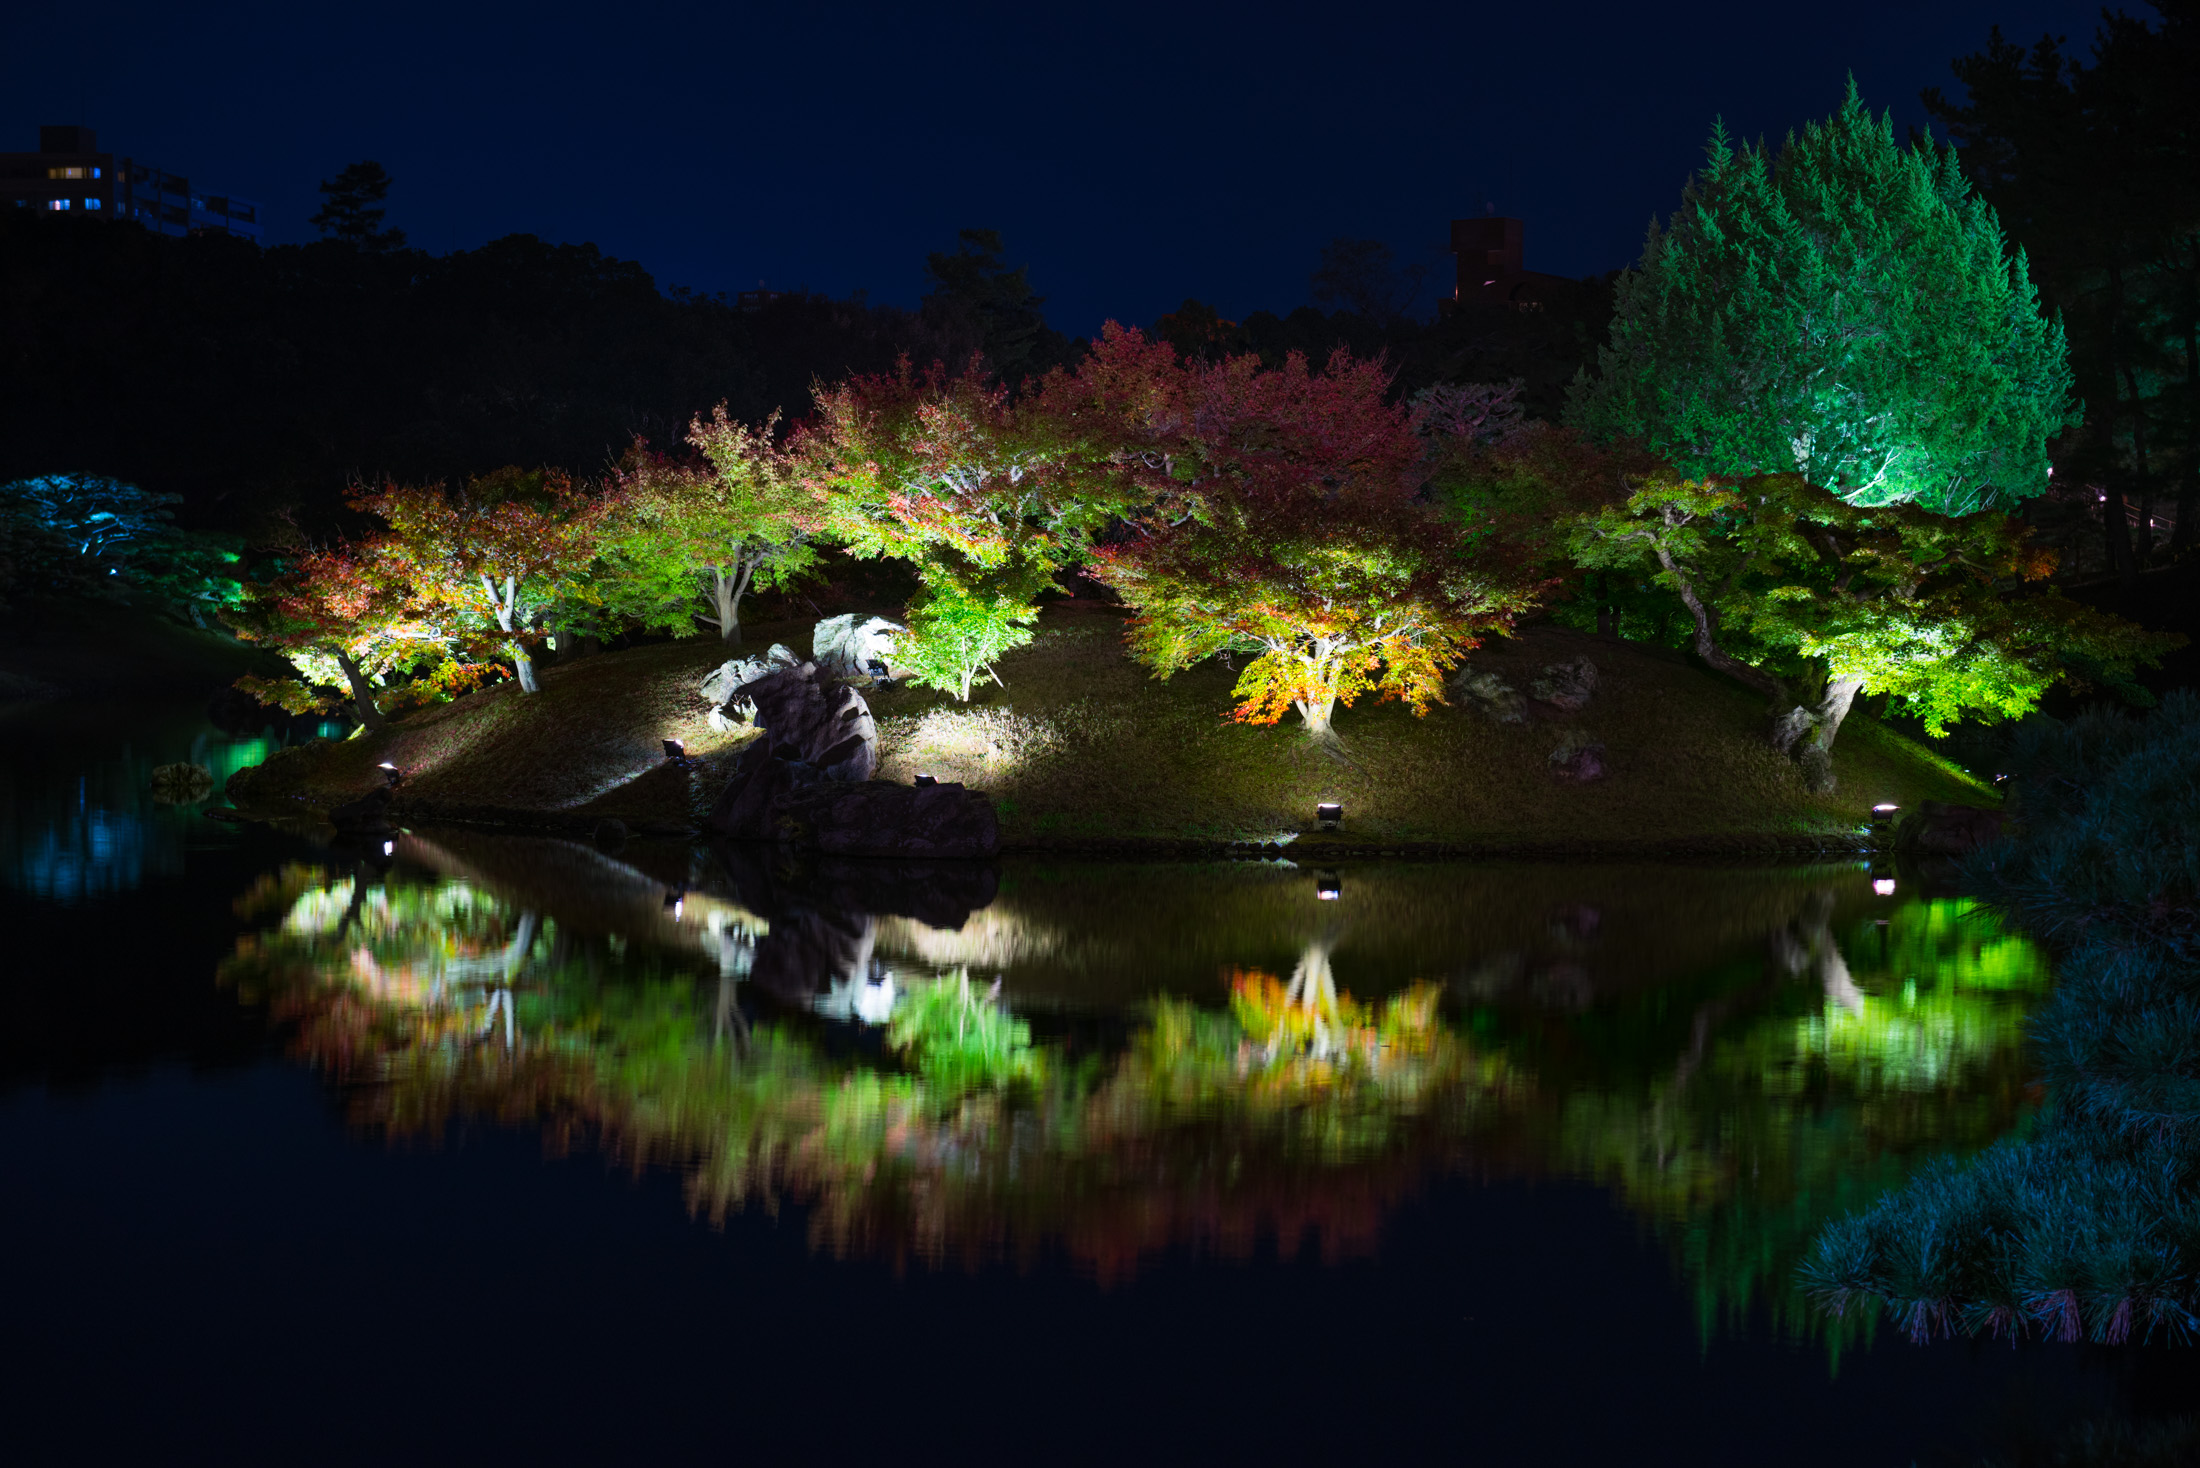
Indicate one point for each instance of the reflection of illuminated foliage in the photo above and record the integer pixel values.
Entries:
(961, 1040)
(1799, 1088)
(1795, 1101)
(2085, 1228)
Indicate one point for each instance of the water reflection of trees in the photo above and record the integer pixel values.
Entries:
(915, 1115)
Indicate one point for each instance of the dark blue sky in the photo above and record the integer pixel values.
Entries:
(1133, 153)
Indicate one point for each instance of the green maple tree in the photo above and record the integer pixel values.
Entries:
(690, 541)
(1813, 601)
(350, 621)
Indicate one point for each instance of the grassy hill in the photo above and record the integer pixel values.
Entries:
(1083, 749)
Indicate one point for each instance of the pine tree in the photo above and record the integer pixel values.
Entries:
(353, 209)
(1846, 310)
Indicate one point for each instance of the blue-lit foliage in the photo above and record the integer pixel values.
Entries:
(85, 535)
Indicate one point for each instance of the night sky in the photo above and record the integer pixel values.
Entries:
(1133, 154)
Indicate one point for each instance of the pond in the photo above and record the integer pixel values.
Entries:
(534, 1147)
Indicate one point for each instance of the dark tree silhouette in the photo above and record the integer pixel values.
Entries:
(352, 211)
(999, 301)
(1363, 277)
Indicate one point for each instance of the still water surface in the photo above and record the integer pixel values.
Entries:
(474, 1143)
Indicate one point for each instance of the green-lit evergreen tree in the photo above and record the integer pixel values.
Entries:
(1844, 309)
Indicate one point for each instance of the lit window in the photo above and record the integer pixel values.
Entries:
(64, 173)
(91, 203)
(57, 203)
(95, 173)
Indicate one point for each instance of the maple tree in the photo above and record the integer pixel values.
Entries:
(1813, 601)
(1280, 517)
(988, 495)
(349, 620)
(690, 541)
(498, 552)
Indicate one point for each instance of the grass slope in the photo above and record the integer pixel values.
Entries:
(1082, 748)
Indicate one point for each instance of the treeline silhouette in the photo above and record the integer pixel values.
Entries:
(257, 384)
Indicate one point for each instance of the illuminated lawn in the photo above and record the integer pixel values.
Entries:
(1081, 746)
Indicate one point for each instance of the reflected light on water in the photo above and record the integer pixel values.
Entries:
(1731, 1103)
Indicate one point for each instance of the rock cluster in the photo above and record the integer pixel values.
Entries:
(846, 646)
(817, 721)
(1565, 686)
(181, 784)
(1558, 687)
(1579, 758)
(791, 803)
(1488, 691)
(807, 782)
(724, 681)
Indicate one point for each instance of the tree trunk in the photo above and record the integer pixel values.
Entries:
(2116, 535)
(726, 602)
(1707, 642)
(1834, 707)
(362, 693)
(1317, 717)
(507, 613)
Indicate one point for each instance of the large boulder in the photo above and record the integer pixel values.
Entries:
(817, 721)
(1480, 688)
(1565, 686)
(723, 681)
(1943, 828)
(847, 645)
(789, 802)
(1579, 757)
(181, 784)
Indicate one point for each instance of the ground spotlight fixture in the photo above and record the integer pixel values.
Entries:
(1883, 818)
(879, 672)
(927, 780)
(391, 774)
(674, 901)
(389, 848)
(1329, 816)
(1328, 886)
(1885, 809)
(675, 751)
(1883, 886)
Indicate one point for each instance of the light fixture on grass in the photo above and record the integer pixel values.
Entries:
(1329, 816)
(389, 848)
(1883, 886)
(1883, 819)
(391, 774)
(1328, 886)
(879, 672)
(674, 901)
(926, 780)
(675, 751)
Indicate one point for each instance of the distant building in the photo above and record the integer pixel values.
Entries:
(68, 174)
(1490, 255)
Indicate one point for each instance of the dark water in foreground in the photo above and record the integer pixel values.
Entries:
(481, 1146)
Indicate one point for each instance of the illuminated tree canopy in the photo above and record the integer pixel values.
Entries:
(1803, 596)
(349, 618)
(1842, 309)
(688, 541)
(497, 552)
(988, 495)
(1284, 521)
